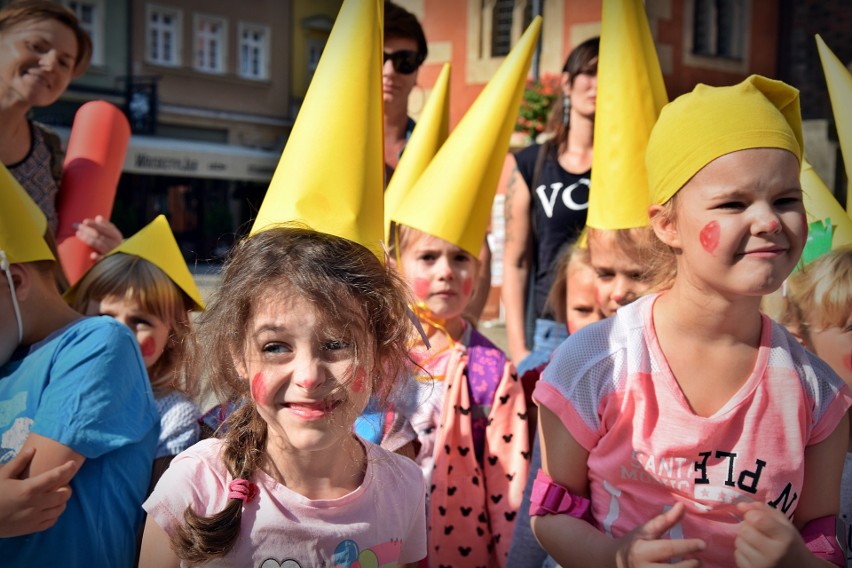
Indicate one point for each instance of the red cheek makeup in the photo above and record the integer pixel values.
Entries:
(709, 236)
(467, 286)
(258, 388)
(147, 346)
(421, 288)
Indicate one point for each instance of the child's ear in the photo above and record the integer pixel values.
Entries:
(664, 226)
(22, 279)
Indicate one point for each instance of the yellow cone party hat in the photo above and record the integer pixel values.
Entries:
(156, 243)
(22, 224)
(820, 205)
(428, 136)
(839, 82)
(452, 199)
(630, 95)
(331, 173)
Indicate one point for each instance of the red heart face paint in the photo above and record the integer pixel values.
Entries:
(421, 288)
(258, 388)
(709, 236)
(148, 346)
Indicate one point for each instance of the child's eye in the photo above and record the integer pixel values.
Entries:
(637, 276)
(583, 309)
(787, 201)
(274, 348)
(335, 345)
(731, 205)
(428, 257)
(603, 274)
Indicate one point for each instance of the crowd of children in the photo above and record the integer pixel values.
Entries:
(364, 421)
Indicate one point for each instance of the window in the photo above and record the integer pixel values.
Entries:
(163, 37)
(509, 19)
(91, 17)
(715, 34)
(495, 26)
(253, 51)
(717, 28)
(210, 43)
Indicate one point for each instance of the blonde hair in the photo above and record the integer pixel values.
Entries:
(133, 279)
(571, 259)
(662, 259)
(820, 292)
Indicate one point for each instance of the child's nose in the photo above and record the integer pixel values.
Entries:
(766, 220)
(309, 373)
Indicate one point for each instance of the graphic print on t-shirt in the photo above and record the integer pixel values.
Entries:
(548, 202)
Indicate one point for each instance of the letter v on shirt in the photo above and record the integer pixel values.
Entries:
(548, 202)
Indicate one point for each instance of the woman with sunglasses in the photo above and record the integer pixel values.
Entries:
(405, 50)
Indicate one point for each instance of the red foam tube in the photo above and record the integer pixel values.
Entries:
(93, 162)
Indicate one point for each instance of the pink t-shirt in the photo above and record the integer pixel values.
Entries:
(613, 390)
(382, 523)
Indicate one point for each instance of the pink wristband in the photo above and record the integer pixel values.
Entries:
(549, 498)
(242, 489)
(825, 537)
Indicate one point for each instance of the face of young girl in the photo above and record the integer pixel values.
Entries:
(741, 223)
(440, 274)
(580, 302)
(304, 381)
(619, 277)
(151, 332)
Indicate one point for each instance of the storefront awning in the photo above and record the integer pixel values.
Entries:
(154, 155)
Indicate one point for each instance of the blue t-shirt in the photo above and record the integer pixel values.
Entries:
(86, 387)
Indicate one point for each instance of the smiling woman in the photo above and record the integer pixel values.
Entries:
(42, 47)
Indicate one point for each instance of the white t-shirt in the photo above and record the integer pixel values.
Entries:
(382, 522)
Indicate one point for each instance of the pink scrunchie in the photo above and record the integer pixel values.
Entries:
(242, 489)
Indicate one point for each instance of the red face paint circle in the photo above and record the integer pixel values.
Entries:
(421, 288)
(467, 286)
(709, 236)
(148, 346)
(847, 362)
(258, 388)
(358, 381)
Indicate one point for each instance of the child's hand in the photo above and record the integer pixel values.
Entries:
(644, 547)
(33, 504)
(100, 234)
(767, 538)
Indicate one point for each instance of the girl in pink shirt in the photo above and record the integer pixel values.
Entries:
(304, 328)
(689, 428)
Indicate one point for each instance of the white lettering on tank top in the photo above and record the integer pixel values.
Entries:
(548, 202)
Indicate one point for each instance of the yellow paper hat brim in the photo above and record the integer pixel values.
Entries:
(156, 243)
(630, 94)
(698, 127)
(428, 136)
(331, 173)
(820, 205)
(452, 199)
(22, 223)
(839, 82)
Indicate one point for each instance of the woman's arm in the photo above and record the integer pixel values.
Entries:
(517, 257)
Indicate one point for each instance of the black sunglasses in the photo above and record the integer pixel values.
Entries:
(404, 61)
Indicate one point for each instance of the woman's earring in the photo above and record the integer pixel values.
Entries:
(566, 110)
